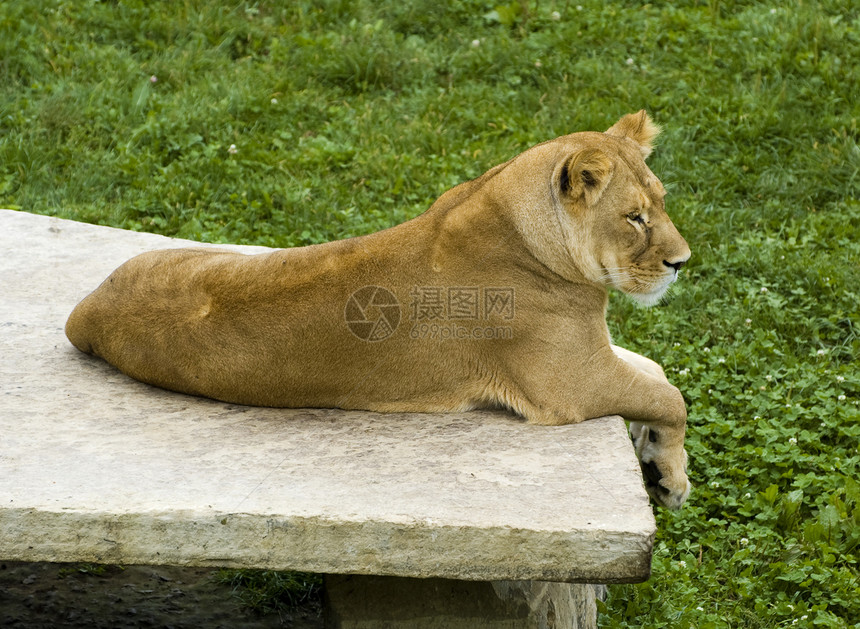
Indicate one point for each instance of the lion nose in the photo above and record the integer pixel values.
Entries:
(676, 265)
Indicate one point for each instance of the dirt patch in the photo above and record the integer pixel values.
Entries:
(35, 595)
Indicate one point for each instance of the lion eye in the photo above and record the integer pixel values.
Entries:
(636, 217)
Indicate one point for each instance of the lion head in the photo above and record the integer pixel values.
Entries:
(615, 215)
(606, 220)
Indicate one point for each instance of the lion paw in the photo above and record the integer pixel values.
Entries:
(664, 468)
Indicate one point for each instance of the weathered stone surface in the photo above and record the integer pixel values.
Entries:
(97, 467)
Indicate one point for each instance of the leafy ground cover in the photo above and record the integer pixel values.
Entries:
(286, 124)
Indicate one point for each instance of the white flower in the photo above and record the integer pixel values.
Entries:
(793, 441)
(715, 485)
(684, 372)
(748, 321)
(629, 61)
(773, 12)
(840, 378)
(821, 352)
(841, 398)
(764, 289)
(768, 377)
(677, 345)
(538, 64)
(476, 43)
(579, 7)
(682, 564)
(707, 350)
(232, 150)
(748, 495)
(721, 360)
(274, 101)
(744, 540)
(555, 15)
(153, 79)
(700, 609)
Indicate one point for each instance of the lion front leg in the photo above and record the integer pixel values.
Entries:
(659, 445)
(663, 464)
(613, 382)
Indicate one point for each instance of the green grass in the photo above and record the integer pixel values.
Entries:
(269, 591)
(348, 117)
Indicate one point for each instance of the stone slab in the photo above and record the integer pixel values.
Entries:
(97, 467)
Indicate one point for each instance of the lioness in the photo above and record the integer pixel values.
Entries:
(494, 297)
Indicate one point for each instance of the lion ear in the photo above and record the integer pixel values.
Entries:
(586, 174)
(639, 128)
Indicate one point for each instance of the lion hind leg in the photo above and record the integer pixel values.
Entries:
(79, 327)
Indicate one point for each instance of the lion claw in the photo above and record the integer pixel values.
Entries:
(656, 487)
(669, 489)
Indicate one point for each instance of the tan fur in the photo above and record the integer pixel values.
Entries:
(555, 226)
